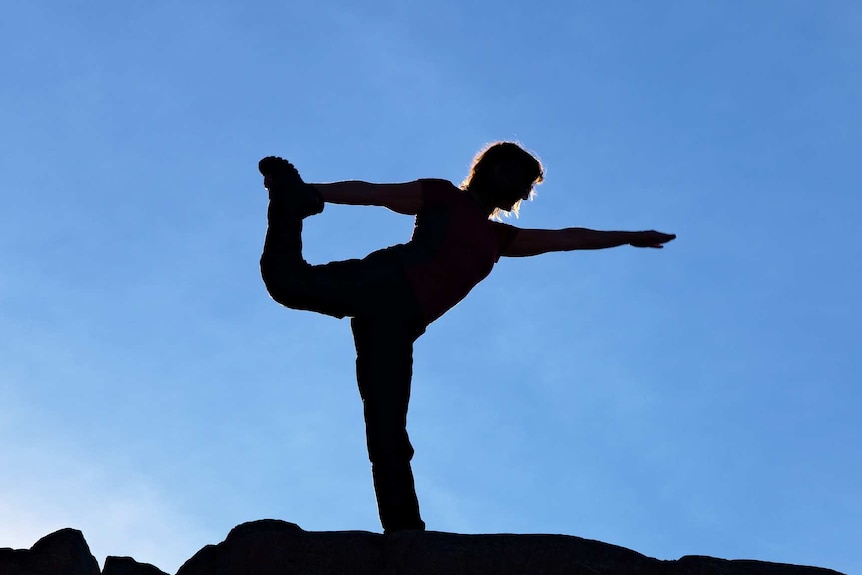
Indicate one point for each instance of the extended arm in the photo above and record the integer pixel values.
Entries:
(535, 242)
(404, 198)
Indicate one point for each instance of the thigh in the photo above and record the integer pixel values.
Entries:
(384, 356)
(384, 370)
(370, 287)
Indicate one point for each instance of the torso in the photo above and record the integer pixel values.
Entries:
(454, 247)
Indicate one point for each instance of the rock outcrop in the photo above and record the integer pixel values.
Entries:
(271, 547)
(128, 566)
(63, 551)
(277, 547)
(66, 552)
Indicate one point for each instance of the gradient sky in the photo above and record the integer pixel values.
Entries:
(701, 399)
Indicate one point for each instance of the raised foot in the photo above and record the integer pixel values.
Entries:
(284, 183)
(279, 173)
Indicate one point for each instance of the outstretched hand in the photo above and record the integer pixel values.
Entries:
(650, 239)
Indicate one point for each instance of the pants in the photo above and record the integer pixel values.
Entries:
(385, 321)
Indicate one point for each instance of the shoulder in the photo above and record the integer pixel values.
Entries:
(504, 233)
(438, 183)
(435, 188)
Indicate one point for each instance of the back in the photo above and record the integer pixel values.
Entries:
(454, 246)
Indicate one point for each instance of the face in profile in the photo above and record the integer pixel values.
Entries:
(511, 184)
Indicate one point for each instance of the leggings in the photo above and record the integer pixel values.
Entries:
(385, 320)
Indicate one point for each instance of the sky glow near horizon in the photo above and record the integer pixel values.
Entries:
(701, 399)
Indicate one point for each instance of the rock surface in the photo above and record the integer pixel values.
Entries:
(62, 552)
(276, 547)
(128, 566)
(271, 547)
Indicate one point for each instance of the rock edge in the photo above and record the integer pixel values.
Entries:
(273, 547)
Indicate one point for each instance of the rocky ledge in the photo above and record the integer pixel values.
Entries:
(271, 547)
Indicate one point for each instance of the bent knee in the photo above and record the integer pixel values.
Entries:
(282, 286)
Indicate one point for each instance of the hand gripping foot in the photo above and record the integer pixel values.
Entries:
(284, 182)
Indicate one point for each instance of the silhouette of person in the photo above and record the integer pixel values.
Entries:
(393, 294)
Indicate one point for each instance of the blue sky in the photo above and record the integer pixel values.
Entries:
(703, 399)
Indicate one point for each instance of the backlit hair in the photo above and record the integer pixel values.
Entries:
(503, 153)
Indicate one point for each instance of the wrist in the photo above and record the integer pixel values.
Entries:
(625, 238)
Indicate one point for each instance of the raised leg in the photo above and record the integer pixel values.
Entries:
(374, 285)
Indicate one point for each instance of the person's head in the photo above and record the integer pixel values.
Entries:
(502, 175)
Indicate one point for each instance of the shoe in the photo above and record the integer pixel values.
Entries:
(284, 182)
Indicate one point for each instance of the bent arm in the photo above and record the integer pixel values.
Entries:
(535, 242)
(404, 198)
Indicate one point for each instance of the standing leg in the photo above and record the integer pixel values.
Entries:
(384, 368)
